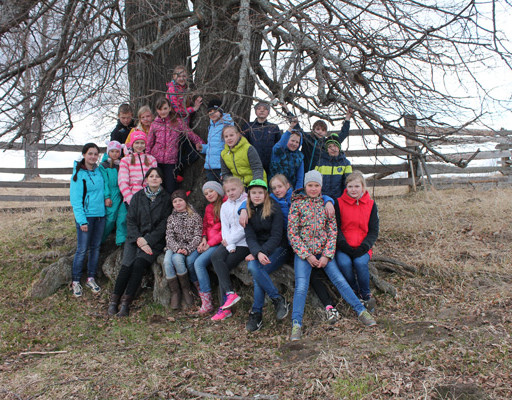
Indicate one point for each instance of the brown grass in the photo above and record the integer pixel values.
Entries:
(446, 335)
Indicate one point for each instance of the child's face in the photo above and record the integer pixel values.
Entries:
(139, 146)
(181, 77)
(91, 157)
(125, 118)
(211, 195)
(153, 180)
(179, 204)
(355, 189)
(313, 189)
(146, 119)
(333, 150)
(114, 154)
(262, 112)
(320, 132)
(279, 188)
(164, 111)
(293, 142)
(233, 190)
(231, 137)
(214, 115)
(257, 195)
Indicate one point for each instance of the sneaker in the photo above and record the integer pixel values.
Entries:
(296, 332)
(281, 306)
(77, 289)
(231, 300)
(222, 314)
(91, 284)
(255, 322)
(370, 304)
(332, 314)
(366, 318)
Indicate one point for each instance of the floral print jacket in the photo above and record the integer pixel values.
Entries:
(310, 231)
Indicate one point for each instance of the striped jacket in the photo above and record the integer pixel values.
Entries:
(131, 176)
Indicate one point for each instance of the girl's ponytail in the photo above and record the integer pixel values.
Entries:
(79, 166)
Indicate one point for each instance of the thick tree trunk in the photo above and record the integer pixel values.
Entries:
(147, 75)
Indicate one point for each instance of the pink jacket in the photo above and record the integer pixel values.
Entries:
(176, 94)
(164, 137)
(131, 176)
(212, 226)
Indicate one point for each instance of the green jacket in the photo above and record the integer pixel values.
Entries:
(111, 190)
(242, 161)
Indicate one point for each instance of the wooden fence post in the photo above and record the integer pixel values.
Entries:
(410, 123)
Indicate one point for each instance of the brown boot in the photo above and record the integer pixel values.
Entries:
(175, 293)
(112, 306)
(185, 289)
(124, 310)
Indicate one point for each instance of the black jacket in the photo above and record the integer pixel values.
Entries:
(121, 132)
(267, 234)
(147, 219)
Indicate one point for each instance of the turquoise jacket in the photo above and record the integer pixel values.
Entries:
(111, 188)
(86, 194)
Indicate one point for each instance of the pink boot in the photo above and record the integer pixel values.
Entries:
(206, 303)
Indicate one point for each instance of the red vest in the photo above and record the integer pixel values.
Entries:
(355, 217)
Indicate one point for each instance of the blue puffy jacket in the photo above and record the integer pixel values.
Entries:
(215, 144)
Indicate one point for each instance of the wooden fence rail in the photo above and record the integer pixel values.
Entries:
(384, 162)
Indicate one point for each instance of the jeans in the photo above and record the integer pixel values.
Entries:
(358, 265)
(223, 262)
(317, 281)
(89, 241)
(212, 175)
(302, 275)
(201, 269)
(175, 263)
(262, 282)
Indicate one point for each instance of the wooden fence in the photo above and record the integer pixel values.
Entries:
(404, 169)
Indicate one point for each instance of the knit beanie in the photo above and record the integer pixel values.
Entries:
(215, 186)
(137, 135)
(215, 104)
(114, 145)
(334, 138)
(180, 193)
(313, 176)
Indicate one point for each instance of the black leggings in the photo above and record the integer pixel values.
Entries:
(129, 278)
(223, 261)
(318, 285)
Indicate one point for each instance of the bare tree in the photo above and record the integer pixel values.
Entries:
(385, 59)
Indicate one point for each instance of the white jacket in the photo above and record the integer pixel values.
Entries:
(232, 232)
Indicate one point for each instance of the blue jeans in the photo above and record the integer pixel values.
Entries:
(212, 175)
(358, 265)
(302, 274)
(201, 269)
(262, 282)
(175, 263)
(89, 241)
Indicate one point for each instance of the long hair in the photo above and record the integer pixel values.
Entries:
(280, 177)
(81, 164)
(267, 205)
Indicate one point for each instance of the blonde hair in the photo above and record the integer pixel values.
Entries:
(267, 205)
(144, 109)
(280, 177)
(356, 175)
(234, 180)
(227, 127)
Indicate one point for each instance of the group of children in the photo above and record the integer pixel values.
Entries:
(306, 212)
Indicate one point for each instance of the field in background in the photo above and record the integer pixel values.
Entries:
(446, 335)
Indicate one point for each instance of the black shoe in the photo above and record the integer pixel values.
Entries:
(255, 322)
(282, 307)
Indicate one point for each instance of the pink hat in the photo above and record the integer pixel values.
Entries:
(137, 135)
(114, 145)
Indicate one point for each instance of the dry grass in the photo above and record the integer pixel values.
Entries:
(446, 335)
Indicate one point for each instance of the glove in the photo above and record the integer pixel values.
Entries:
(361, 250)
